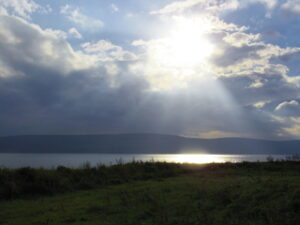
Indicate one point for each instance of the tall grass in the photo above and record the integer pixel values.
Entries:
(29, 182)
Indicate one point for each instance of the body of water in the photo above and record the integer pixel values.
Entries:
(77, 160)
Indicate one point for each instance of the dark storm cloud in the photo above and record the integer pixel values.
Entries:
(62, 103)
(44, 89)
(272, 86)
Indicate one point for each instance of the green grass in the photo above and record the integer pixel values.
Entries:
(216, 194)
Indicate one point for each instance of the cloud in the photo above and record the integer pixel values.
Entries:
(57, 33)
(47, 87)
(291, 6)
(288, 108)
(237, 57)
(46, 84)
(235, 53)
(106, 51)
(293, 130)
(3, 11)
(42, 79)
(77, 17)
(244, 72)
(270, 4)
(211, 6)
(199, 39)
(35, 47)
(273, 86)
(284, 105)
(22, 8)
(294, 126)
(239, 39)
(73, 32)
(114, 8)
(242, 51)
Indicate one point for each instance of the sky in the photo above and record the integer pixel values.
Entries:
(196, 68)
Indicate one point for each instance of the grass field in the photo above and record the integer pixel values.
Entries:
(235, 194)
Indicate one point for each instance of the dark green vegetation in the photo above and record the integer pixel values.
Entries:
(158, 194)
(143, 143)
(28, 182)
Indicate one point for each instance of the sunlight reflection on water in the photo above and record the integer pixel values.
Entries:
(76, 160)
(185, 158)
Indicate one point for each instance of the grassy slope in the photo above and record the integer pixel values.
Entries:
(238, 194)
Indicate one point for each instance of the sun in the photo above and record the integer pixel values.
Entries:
(185, 46)
(180, 54)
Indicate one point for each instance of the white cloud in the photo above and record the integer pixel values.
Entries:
(288, 109)
(235, 53)
(270, 4)
(73, 32)
(242, 53)
(43, 48)
(292, 6)
(22, 8)
(76, 16)
(100, 46)
(283, 105)
(3, 11)
(260, 104)
(59, 34)
(211, 6)
(177, 6)
(106, 51)
(256, 84)
(114, 7)
(238, 39)
(203, 6)
(130, 15)
(241, 68)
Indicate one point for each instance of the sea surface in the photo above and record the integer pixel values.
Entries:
(79, 160)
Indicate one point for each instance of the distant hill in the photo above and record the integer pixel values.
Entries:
(143, 143)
